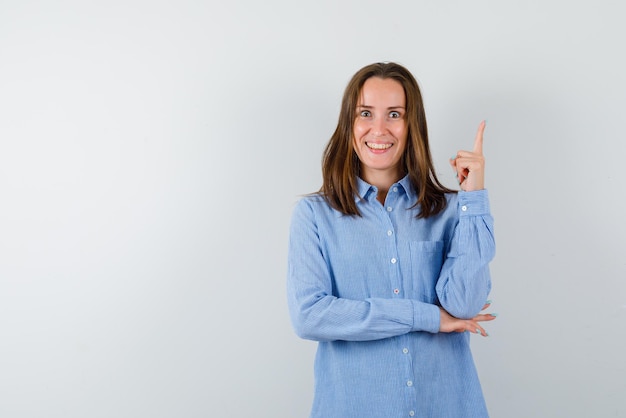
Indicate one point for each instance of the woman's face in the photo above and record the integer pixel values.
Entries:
(380, 129)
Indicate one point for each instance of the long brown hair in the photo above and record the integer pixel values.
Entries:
(341, 165)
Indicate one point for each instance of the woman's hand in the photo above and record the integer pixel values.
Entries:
(470, 165)
(448, 323)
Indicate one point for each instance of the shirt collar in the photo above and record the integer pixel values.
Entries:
(364, 188)
(406, 184)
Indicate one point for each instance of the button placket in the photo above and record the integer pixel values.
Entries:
(392, 244)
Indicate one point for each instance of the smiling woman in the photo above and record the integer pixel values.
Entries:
(380, 132)
(388, 269)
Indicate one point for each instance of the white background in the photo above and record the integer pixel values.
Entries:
(151, 153)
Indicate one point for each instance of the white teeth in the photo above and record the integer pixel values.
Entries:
(378, 146)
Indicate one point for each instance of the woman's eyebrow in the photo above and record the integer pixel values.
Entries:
(371, 107)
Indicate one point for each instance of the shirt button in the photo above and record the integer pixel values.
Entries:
(389, 233)
(393, 261)
(409, 383)
(395, 189)
(411, 413)
(405, 350)
(463, 208)
(389, 208)
(396, 291)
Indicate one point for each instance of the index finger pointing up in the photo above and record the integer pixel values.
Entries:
(478, 142)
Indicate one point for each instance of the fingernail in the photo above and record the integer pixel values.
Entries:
(477, 331)
(488, 302)
(493, 314)
(486, 334)
(453, 157)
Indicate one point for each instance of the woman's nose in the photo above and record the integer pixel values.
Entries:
(379, 126)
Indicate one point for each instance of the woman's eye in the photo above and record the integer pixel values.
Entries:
(394, 115)
(365, 113)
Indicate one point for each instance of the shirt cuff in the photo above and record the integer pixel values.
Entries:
(426, 317)
(474, 203)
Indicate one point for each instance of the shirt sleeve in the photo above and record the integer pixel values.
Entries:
(464, 283)
(318, 315)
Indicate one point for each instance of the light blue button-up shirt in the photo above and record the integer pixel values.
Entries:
(368, 289)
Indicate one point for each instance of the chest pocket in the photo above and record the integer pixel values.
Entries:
(426, 262)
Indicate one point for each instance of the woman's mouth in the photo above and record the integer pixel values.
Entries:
(375, 146)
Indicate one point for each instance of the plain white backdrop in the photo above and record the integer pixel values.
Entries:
(151, 153)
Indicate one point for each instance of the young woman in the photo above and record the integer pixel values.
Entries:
(388, 269)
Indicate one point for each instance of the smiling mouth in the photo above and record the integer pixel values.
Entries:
(378, 146)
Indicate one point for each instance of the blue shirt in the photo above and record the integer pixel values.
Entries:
(369, 289)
